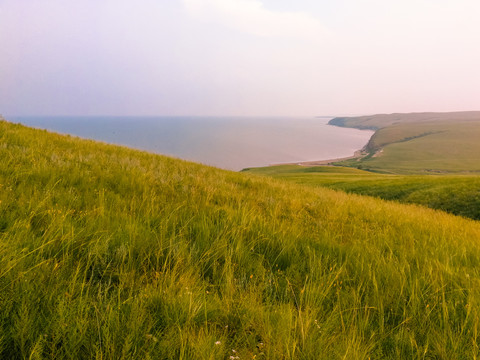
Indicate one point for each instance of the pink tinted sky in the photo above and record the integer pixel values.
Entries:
(238, 57)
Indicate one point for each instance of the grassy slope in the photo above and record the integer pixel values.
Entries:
(112, 253)
(421, 142)
(383, 120)
(456, 194)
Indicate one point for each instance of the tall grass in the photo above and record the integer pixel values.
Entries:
(112, 253)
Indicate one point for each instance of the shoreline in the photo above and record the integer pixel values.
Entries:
(329, 162)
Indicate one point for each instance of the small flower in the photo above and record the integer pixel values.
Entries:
(151, 337)
(218, 342)
(251, 276)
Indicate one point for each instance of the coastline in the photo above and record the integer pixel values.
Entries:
(359, 154)
(328, 162)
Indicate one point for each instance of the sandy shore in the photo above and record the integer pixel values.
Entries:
(358, 154)
(329, 162)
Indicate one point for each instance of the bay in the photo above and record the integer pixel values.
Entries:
(231, 143)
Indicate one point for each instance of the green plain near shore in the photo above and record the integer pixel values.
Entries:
(112, 253)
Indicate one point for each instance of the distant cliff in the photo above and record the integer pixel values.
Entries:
(379, 121)
(351, 122)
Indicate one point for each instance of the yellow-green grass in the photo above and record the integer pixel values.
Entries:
(456, 194)
(111, 253)
(420, 143)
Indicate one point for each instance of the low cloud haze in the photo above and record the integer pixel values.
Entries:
(252, 17)
(238, 57)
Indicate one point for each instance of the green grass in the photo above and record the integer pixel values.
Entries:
(456, 194)
(111, 253)
(420, 143)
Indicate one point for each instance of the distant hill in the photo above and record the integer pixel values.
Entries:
(419, 142)
(375, 122)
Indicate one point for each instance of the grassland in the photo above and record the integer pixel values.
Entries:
(456, 194)
(111, 253)
(419, 143)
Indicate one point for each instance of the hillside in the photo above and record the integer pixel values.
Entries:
(419, 143)
(112, 253)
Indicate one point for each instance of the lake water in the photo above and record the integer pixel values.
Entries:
(231, 142)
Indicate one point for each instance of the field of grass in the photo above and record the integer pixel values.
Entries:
(420, 143)
(456, 194)
(112, 253)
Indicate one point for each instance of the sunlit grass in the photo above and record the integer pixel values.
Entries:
(112, 253)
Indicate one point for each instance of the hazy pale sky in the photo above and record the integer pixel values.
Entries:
(238, 57)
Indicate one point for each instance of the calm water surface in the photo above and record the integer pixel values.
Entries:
(231, 143)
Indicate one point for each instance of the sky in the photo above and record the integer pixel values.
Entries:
(238, 57)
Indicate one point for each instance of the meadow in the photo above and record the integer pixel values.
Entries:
(112, 253)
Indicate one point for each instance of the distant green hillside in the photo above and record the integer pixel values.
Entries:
(375, 122)
(420, 142)
(112, 253)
